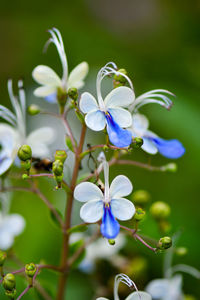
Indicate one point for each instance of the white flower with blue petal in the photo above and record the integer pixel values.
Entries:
(138, 295)
(13, 135)
(151, 142)
(48, 79)
(11, 225)
(109, 112)
(107, 206)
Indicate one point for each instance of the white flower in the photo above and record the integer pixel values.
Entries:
(110, 112)
(50, 81)
(107, 206)
(11, 225)
(151, 142)
(138, 295)
(13, 135)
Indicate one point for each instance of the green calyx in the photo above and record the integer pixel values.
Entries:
(30, 269)
(25, 153)
(3, 256)
(111, 242)
(139, 214)
(60, 155)
(165, 243)
(73, 93)
(33, 109)
(160, 210)
(9, 282)
(11, 294)
(137, 142)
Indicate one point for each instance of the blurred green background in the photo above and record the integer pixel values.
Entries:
(157, 41)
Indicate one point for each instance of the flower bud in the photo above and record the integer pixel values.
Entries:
(165, 243)
(11, 294)
(141, 197)
(160, 210)
(139, 214)
(120, 78)
(57, 168)
(181, 251)
(25, 176)
(25, 152)
(60, 155)
(137, 142)
(3, 257)
(171, 167)
(33, 109)
(69, 143)
(73, 93)
(9, 282)
(30, 269)
(111, 242)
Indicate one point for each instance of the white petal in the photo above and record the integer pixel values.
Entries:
(140, 124)
(46, 76)
(6, 240)
(14, 224)
(87, 191)
(44, 91)
(77, 75)
(92, 211)
(102, 298)
(135, 296)
(121, 96)
(120, 187)
(95, 120)
(158, 288)
(148, 146)
(88, 103)
(121, 116)
(122, 209)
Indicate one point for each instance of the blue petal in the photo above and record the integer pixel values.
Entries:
(52, 98)
(109, 227)
(169, 148)
(118, 136)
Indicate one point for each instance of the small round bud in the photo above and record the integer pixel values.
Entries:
(57, 168)
(111, 242)
(3, 257)
(137, 142)
(120, 78)
(25, 176)
(11, 294)
(160, 210)
(33, 109)
(9, 282)
(171, 167)
(60, 155)
(139, 214)
(141, 197)
(73, 93)
(165, 243)
(30, 269)
(181, 251)
(25, 152)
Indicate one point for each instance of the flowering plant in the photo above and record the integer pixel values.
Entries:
(104, 205)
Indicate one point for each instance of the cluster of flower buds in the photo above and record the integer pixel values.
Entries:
(58, 165)
(25, 155)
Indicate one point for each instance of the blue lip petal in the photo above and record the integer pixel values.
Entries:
(118, 136)
(52, 98)
(169, 148)
(109, 227)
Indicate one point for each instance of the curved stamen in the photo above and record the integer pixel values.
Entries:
(106, 181)
(126, 280)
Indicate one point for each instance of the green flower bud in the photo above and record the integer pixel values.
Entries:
(69, 143)
(171, 167)
(181, 251)
(60, 155)
(33, 109)
(120, 78)
(165, 243)
(25, 176)
(11, 294)
(111, 242)
(9, 282)
(141, 197)
(25, 152)
(139, 214)
(137, 142)
(3, 257)
(30, 269)
(160, 210)
(73, 93)
(57, 168)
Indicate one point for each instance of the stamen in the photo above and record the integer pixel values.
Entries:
(126, 280)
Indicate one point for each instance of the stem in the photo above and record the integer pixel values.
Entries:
(68, 214)
(69, 131)
(144, 243)
(24, 292)
(50, 176)
(138, 164)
